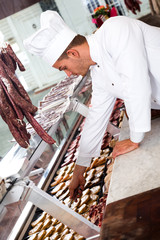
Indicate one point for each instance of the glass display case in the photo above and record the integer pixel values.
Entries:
(26, 161)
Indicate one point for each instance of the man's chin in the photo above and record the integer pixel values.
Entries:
(84, 73)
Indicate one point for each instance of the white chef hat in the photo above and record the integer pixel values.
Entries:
(51, 39)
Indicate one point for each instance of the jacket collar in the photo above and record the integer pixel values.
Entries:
(93, 47)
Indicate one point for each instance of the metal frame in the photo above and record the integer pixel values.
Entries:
(67, 216)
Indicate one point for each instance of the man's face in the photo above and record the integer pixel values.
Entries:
(72, 66)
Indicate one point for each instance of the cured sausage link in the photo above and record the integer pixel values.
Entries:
(25, 135)
(7, 60)
(40, 131)
(16, 108)
(15, 58)
(18, 84)
(20, 101)
(15, 101)
(7, 109)
(15, 114)
(18, 126)
(4, 104)
(16, 134)
(14, 131)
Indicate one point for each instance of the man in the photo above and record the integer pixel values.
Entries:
(123, 58)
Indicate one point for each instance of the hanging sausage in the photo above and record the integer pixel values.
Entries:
(15, 103)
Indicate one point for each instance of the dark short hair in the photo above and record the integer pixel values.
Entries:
(77, 40)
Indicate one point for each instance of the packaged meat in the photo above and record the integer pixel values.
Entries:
(58, 188)
(62, 169)
(33, 237)
(49, 231)
(95, 181)
(85, 192)
(59, 227)
(58, 180)
(54, 221)
(36, 229)
(76, 204)
(63, 196)
(65, 231)
(93, 197)
(68, 236)
(95, 190)
(100, 168)
(82, 209)
(60, 192)
(47, 223)
(84, 199)
(54, 236)
(41, 235)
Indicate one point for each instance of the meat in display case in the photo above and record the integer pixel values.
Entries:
(49, 212)
(90, 205)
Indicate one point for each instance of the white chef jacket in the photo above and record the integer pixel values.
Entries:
(127, 53)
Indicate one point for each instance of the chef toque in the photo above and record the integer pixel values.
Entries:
(50, 41)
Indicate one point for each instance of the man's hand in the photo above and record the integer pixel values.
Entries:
(123, 147)
(78, 181)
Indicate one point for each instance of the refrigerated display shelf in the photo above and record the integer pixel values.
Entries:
(100, 183)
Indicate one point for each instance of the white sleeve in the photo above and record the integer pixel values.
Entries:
(130, 59)
(96, 122)
(136, 137)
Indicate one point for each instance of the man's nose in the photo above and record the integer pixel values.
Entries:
(68, 73)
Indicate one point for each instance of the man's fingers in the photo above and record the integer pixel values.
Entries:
(81, 187)
(71, 193)
(79, 192)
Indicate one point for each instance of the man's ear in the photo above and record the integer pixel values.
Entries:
(73, 53)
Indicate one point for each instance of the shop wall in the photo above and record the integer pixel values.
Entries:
(76, 15)
(15, 29)
(9, 7)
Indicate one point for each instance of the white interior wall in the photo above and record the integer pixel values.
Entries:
(76, 15)
(18, 27)
(24, 21)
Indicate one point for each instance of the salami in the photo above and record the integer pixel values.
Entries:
(17, 98)
(15, 101)
(14, 57)
(17, 83)
(44, 135)
(15, 108)
(16, 134)
(8, 61)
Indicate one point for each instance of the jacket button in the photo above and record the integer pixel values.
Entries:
(112, 84)
(98, 66)
(154, 100)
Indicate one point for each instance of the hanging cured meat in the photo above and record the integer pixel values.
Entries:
(15, 103)
(133, 5)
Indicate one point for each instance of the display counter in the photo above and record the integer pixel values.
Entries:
(24, 160)
(78, 219)
(137, 171)
(132, 210)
